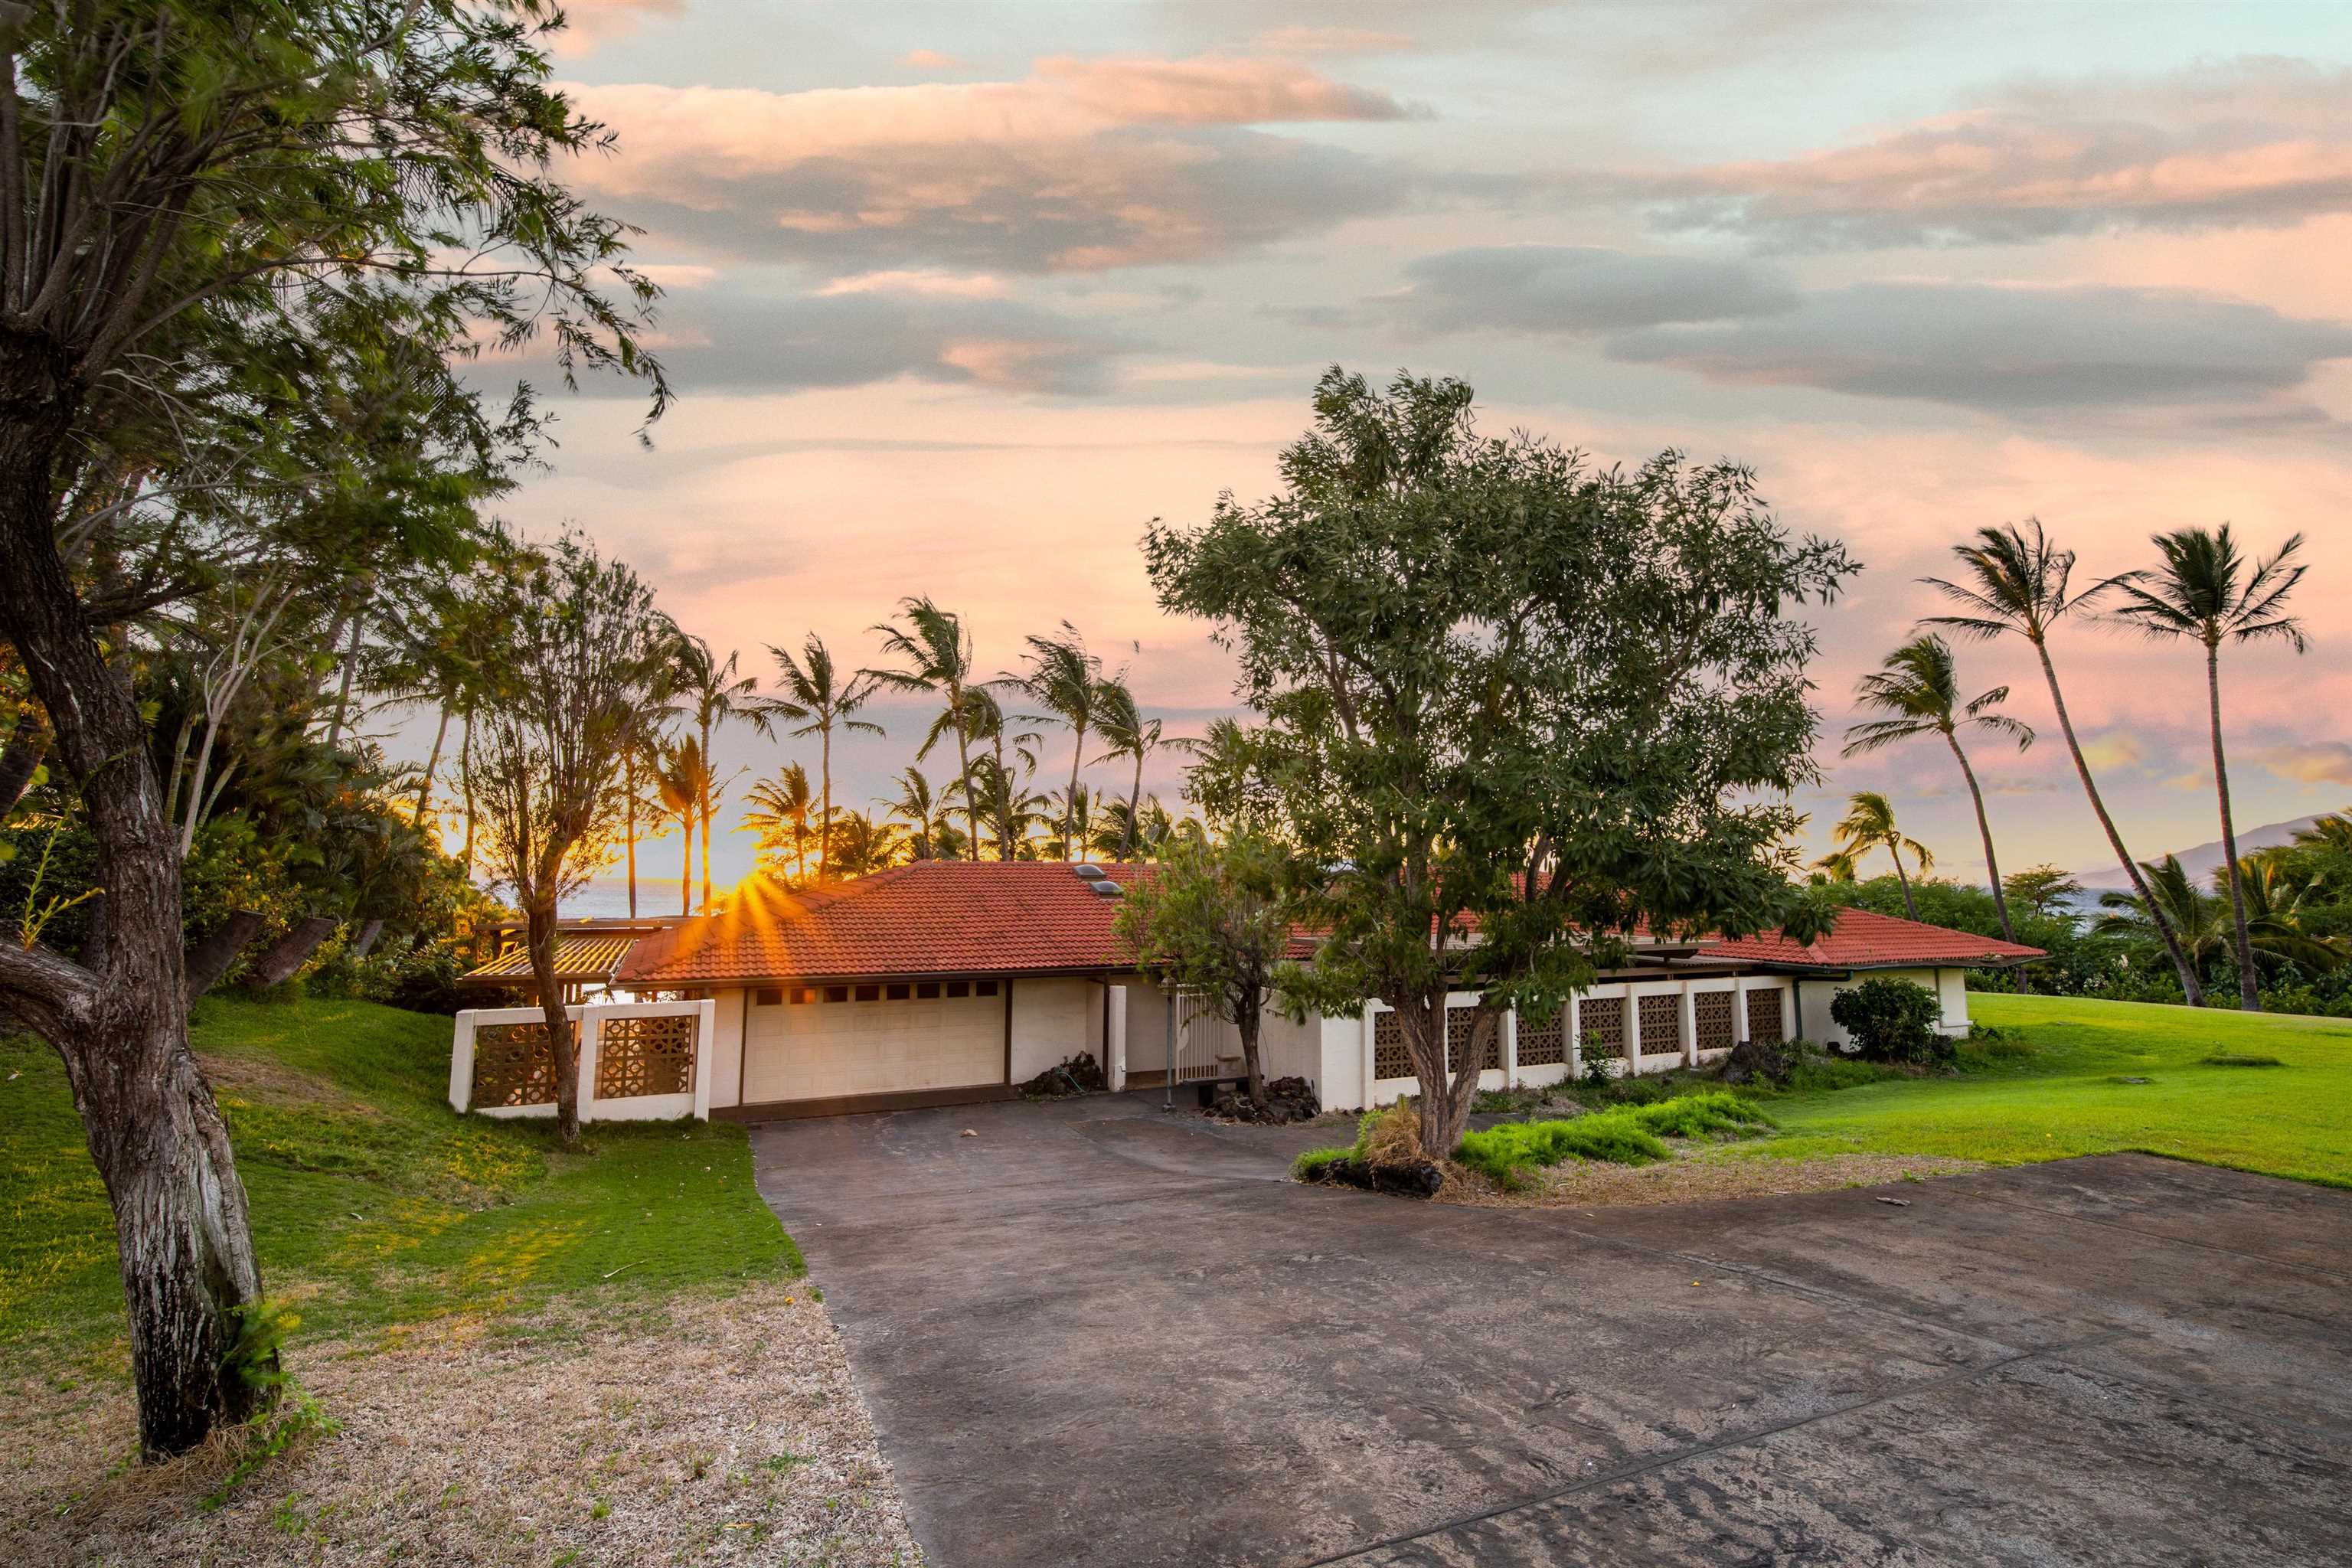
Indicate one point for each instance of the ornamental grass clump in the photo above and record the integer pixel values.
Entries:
(1627, 1135)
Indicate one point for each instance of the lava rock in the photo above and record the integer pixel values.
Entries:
(1287, 1099)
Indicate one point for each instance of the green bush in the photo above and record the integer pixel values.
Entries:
(1892, 1020)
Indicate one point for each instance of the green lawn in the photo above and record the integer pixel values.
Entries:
(374, 1204)
(2057, 1087)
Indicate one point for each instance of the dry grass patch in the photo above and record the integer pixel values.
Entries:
(705, 1431)
(1694, 1175)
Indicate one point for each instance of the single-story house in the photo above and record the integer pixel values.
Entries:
(949, 981)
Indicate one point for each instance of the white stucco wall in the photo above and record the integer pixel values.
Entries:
(727, 1047)
(1053, 1020)
(1950, 986)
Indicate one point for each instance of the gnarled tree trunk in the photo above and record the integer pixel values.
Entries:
(120, 1019)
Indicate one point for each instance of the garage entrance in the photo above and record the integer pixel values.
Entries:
(831, 1042)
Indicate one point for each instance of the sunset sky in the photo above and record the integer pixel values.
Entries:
(962, 296)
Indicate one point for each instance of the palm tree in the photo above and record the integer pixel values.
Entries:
(864, 844)
(1868, 824)
(1067, 680)
(779, 813)
(1918, 688)
(2017, 586)
(2278, 895)
(1074, 809)
(2204, 591)
(938, 650)
(2198, 921)
(640, 754)
(681, 780)
(821, 702)
(714, 693)
(2332, 833)
(1127, 733)
(1002, 794)
(925, 811)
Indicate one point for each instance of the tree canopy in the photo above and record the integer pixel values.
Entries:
(1507, 694)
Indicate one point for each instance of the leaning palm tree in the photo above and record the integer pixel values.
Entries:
(937, 651)
(814, 695)
(1868, 824)
(2017, 585)
(2204, 591)
(1068, 682)
(1918, 689)
(779, 811)
(712, 692)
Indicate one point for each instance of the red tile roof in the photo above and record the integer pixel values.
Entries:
(990, 917)
(935, 917)
(1867, 941)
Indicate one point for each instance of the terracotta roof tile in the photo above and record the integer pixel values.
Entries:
(935, 917)
(960, 917)
(1866, 941)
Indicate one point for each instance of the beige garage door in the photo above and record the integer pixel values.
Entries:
(827, 1041)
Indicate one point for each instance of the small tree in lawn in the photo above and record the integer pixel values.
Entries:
(586, 645)
(1511, 707)
(1211, 925)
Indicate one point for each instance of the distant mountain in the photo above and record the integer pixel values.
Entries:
(2201, 862)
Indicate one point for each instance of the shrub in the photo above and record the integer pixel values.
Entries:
(1892, 1020)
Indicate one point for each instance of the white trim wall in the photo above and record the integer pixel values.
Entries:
(591, 1017)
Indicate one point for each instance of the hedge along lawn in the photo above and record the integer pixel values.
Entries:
(2066, 1092)
(374, 1204)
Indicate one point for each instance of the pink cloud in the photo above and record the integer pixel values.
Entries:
(1084, 163)
(595, 23)
(2248, 142)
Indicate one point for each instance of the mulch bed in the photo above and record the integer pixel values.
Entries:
(718, 1431)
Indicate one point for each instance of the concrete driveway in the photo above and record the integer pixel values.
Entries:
(1098, 1334)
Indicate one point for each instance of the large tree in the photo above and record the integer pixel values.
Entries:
(1512, 709)
(585, 647)
(2015, 581)
(2205, 591)
(1917, 691)
(213, 220)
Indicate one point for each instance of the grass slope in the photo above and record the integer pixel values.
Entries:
(374, 1203)
(2066, 1092)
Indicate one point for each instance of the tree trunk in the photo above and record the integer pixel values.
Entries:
(196, 788)
(707, 813)
(344, 688)
(209, 958)
(466, 778)
(182, 1235)
(1134, 804)
(1984, 831)
(686, 862)
(179, 766)
(1248, 1015)
(1447, 1076)
(2250, 993)
(432, 764)
(18, 764)
(825, 826)
(2192, 989)
(1910, 904)
(629, 783)
(281, 959)
(1070, 801)
(562, 1050)
(963, 773)
(364, 943)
